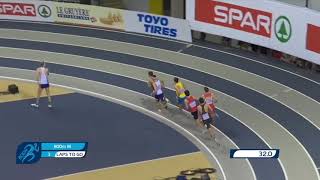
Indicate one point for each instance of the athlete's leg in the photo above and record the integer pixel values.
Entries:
(158, 99)
(164, 102)
(211, 132)
(197, 120)
(49, 97)
(38, 94)
(209, 126)
(39, 90)
(181, 103)
(199, 123)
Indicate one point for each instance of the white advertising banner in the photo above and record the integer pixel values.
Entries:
(26, 10)
(157, 25)
(267, 23)
(87, 15)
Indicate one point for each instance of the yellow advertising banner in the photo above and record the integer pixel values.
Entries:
(79, 14)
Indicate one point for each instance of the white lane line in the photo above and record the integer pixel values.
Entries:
(123, 165)
(287, 90)
(189, 68)
(266, 64)
(136, 107)
(194, 45)
(274, 95)
(204, 47)
(149, 97)
(200, 85)
(98, 29)
(155, 37)
(155, 58)
(184, 48)
(280, 162)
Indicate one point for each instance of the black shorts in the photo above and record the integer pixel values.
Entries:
(208, 123)
(160, 97)
(44, 86)
(195, 115)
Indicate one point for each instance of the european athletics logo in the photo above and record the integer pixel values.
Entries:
(28, 153)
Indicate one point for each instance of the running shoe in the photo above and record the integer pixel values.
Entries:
(35, 105)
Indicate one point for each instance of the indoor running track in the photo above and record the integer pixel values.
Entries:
(263, 104)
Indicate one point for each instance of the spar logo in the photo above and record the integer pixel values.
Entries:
(234, 16)
(283, 29)
(44, 11)
(17, 9)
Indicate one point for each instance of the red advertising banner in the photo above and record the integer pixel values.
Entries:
(233, 16)
(17, 9)
(313, 38)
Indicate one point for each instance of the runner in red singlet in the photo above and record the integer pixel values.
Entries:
(210, 99)
(191, 106)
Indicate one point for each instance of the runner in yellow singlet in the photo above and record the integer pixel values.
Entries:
(181, 96)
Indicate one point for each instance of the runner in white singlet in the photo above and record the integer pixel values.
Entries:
(204, 114)
(42, 74)
(158, 92)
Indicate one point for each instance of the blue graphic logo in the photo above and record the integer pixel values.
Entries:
(28, 153)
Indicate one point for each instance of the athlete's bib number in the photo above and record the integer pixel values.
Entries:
(193, 104)
(209, 101)
(205, 116)
(159, 91)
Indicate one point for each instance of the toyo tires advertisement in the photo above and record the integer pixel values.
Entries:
(270, 24)
(156, 25)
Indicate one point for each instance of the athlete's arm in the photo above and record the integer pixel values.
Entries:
(199, 112)
(177, 89)
(183, 86)
(149, 82)
(214, 98)
(186, 103)
(154, 87)
(210, 111)
(37, 75)
(197, 101)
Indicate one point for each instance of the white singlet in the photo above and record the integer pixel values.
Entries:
(158, 87)
(43, 76)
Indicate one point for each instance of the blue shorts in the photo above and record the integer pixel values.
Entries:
(181, 100)
(44, 86)
(160, 97)
(207, 123)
